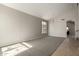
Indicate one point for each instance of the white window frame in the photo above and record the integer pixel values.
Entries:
(44, 27)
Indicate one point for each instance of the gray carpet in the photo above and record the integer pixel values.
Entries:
(42, 47)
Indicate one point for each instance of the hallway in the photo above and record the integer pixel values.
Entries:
(69, 47)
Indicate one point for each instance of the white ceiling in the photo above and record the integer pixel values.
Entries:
(43, 10)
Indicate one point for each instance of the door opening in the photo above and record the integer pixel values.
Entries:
(70, 29)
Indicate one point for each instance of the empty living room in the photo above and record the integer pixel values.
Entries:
(39, 29)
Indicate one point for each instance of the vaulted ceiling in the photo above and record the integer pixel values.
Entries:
(43, 10)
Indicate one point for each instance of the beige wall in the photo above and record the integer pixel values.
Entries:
(16, 26)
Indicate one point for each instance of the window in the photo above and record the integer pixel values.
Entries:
(44, 27)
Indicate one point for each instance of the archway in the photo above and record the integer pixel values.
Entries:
(70, 29)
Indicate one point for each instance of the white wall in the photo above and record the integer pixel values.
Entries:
(57, 28)
(49, 12)
(16, 26)
(77, 23)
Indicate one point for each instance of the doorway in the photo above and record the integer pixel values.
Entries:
(70, 29)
